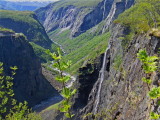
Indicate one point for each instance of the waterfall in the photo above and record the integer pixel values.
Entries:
(110, 17)
(100, 80)
(104, 9)
(126, 2)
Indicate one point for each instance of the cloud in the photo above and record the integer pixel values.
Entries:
(30, 0)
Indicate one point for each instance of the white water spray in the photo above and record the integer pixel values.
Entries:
(104, 9)
(101, 79)
(110, 17)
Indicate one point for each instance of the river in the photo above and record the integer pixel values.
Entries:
(57, 98)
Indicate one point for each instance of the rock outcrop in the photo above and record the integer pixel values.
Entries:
(123, 94)
(29, 83)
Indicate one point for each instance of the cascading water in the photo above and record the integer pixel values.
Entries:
(104, 9)
(101, 79)
(110, 17)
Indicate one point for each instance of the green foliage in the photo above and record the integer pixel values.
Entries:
(2, 29)
(29, 26)
(154, 93)
(87, 52)
(150, 66)
(149, 62)
(154, 116)
(80, 3)
(10, 109)
(143, 16)
(40, 52)
(67, 93)
(117, 61)
(148, 81)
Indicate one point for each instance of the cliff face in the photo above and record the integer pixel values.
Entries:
(29, 83)
(123, 94)
(80, 19)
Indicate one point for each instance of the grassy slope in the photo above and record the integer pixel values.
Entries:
(27, 23)
(69, 44)
(77, 3)
(142, 16)
(88, 52)
(5, 30)
(83, 48)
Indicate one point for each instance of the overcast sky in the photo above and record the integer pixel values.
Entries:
(30, 0)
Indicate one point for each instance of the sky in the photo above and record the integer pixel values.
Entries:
(30, 0)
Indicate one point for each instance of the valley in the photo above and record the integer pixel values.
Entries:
(107, 66)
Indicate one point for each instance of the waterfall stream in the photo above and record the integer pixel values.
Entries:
(104, 9)
(110, 17)
(101, 79)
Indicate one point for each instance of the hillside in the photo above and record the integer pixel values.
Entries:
(29, 83)
(25, 22)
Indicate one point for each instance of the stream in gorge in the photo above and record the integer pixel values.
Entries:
(56, 98)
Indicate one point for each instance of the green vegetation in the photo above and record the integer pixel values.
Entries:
(66, 92)
(23, 16)
(143, 16)
(77, 3)
(40, 52)
(82, 49)
(5, 30)
(10, 109)
(87, 52)
(117, 62)
(149, 62)
(150, 66)
(25, 22)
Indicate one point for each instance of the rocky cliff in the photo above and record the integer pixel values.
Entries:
(29, 83)
(123, 94)
(79, 18)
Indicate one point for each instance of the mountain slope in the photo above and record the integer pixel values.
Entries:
(79, 16)
(25, 22)
(29, 83)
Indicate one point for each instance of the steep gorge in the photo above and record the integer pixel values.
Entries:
(29, 83)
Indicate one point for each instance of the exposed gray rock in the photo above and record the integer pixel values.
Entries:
(124, 94)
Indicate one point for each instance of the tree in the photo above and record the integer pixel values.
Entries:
(66, 92)
(10, 109)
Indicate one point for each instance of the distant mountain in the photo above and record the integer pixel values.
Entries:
(22, 6)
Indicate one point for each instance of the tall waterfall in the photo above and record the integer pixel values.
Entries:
(101, 79)
(110, 17)
(104, 9)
